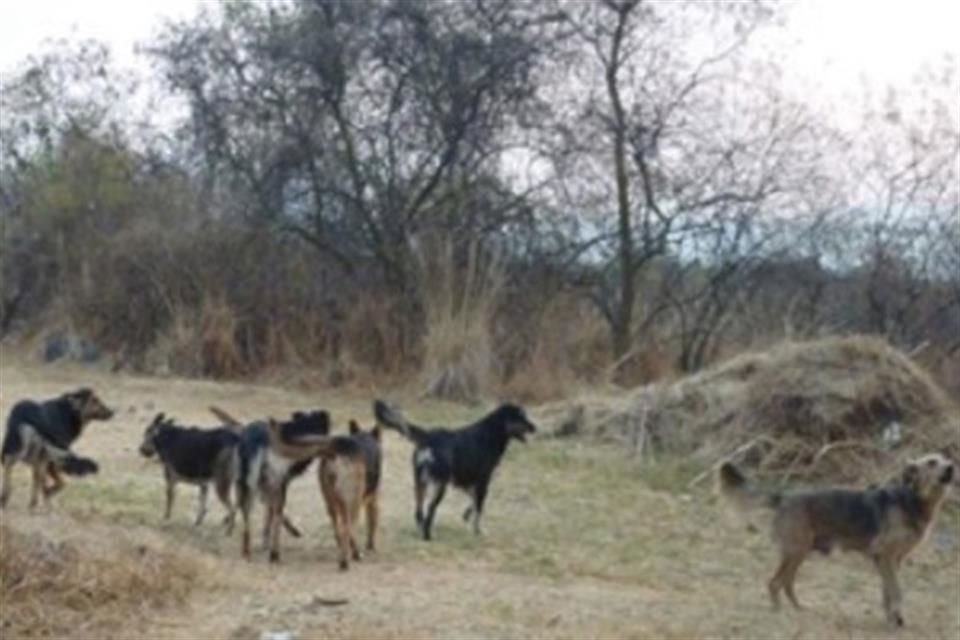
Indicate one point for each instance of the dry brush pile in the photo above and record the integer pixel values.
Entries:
(839, 408)
(74, 588)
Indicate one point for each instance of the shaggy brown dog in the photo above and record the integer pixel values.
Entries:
(884, 523)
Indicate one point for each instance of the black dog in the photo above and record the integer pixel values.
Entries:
(41, 434)
(195, 456)
(467, 456)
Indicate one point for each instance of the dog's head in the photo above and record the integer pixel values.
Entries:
(515, 420)
(305, 423)
(374, 432)
(88, 406)
(148, 447)
(929, 476)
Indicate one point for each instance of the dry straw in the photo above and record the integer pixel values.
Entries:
(817, 409)
(75, 589)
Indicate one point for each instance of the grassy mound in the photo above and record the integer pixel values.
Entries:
(840, 408)
(71, 588)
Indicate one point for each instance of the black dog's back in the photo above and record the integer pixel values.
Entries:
(192, 452)
(464, 456)
(54, 420)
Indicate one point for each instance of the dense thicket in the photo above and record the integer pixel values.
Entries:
(498, 196)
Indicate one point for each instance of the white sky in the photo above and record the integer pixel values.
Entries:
(831, 47)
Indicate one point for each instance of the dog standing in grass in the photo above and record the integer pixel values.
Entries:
(467, 457)
(41, 434)
(196, 456)
(262, 472)
(339, 478)
(884, 523)
(349, 475)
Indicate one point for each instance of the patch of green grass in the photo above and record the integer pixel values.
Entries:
(111, 496)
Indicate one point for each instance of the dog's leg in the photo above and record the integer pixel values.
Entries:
(222, 487)
(58, 483)
(171, 493)
(39, 477)
(7, 482)
(341, 531)
(373, 514)
(892, 596)
(789, 577)
(348, 523)
(336, 511)
(290, 527)
(775, 583)
(267, 516)
(353, 503)
(202, 505)
(440, 488)
(419, 495)
(479, 495)
(276, 517)
(244, 504)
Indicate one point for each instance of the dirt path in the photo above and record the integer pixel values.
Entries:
(576, 545)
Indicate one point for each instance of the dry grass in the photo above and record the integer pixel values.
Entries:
(580, 541)
(73, 588)
(809, 409)
(459, 297)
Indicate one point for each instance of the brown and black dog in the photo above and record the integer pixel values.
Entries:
(349, 477)
(41, 434)
(884, 523)
(340, 476)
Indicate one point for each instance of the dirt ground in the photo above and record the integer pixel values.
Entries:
(580, 541)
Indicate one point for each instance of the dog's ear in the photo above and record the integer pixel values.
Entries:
(159, 418)
(910, 476)
(77, 399)
(354, 427)
(376, 432)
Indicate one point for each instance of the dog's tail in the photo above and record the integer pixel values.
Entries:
(78, 466)
(306, 446)
(26, 437)
(224, 417)
(393, 419)
(740, 493)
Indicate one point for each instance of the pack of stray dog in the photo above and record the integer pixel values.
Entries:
(263, 457)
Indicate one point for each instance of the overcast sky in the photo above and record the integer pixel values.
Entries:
(832, 45)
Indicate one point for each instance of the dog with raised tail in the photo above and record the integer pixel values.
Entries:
(266, 474)
(41, 434)
(884, 523)
(466, 456)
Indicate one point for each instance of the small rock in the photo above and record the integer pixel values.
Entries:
(277, 635)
